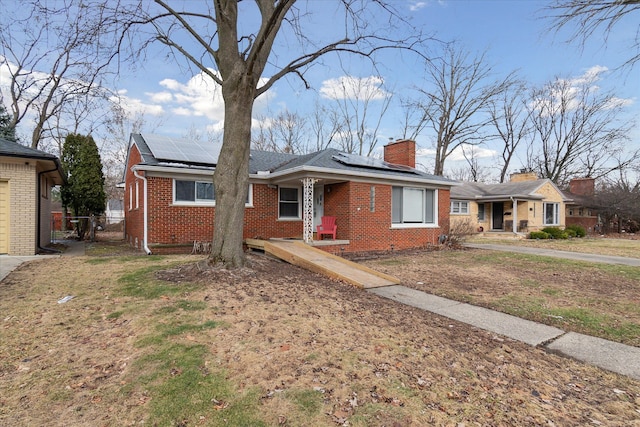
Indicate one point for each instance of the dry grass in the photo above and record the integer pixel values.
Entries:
(628, 247)
(274, 345)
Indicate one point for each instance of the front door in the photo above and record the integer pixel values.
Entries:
(498, 215)
(318, 205)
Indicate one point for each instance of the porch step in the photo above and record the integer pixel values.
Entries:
(316, 260)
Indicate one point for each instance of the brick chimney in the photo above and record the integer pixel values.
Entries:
(582, 186)
(401, 152)
(523, 176)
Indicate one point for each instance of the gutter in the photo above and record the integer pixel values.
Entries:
(144, 209)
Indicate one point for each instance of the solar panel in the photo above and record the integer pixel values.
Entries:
(183, 150)
(371, 163)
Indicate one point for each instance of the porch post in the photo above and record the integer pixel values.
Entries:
(307, 208)
(515, 216)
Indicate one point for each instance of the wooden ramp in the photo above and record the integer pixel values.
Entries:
(298, 253)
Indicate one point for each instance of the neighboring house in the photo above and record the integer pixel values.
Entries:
(115, 211)
(26, 178)
(379, 205)
(523, 204)
(582, 208)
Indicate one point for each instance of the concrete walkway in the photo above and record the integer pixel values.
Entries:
(10, 263)
(605, 259)
(615, 357)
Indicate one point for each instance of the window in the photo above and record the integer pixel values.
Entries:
(194, 191)
(130, 196)
(289, 203)
(481, 214)
(372, 199)
(200, 192)
(412, 206)
(137, 194)
(551, 213)
(460, 208)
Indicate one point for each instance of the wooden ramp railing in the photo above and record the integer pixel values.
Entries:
(298, 253)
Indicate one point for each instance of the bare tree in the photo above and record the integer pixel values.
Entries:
(578, 130)
(510, 119)
(452, 107)
(284, 133)
(589, 17)
(361, 104)
(477, 172)
(54, 62)
(326, 125)
(617, 200)
(237, 61)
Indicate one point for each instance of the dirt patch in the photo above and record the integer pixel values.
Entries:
(372, 361)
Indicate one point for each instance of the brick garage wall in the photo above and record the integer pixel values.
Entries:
(22, 178)
(367, 226)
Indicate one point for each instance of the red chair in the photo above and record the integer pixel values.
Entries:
(328, 226)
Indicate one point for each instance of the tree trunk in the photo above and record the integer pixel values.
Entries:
(231, 176)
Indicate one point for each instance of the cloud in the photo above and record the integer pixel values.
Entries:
(458, 153)
(414, 6)
(200, 96)
(134, 106)
(160, 97)
(358, 88)
(475, 151)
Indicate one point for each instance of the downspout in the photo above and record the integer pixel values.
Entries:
(144, 210)
(40, 248)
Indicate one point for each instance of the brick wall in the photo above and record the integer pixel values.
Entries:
(369, 230)
(366, 223)
(178, 226)
(23, 204)
(134, 219)
(582, 186)
(401, 152)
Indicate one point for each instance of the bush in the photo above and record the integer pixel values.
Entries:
(570, 232)
(459, 232)
(539, 235)
(555, 233)
(578, 230)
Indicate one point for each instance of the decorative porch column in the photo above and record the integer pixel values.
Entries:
(515, 216)
(307, 208)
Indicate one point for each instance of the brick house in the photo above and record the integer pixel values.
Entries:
(582, 209)
(523, 204)
(379, 205)
(26, 178)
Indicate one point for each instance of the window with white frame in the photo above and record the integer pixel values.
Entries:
(551, 213)
(481, 212)
(193, 191)
(199, 192)
(459, 207)
(289, 203)
(413, 206)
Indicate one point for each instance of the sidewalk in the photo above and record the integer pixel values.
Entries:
(616, 357)
(10, 263)
(605, 259)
